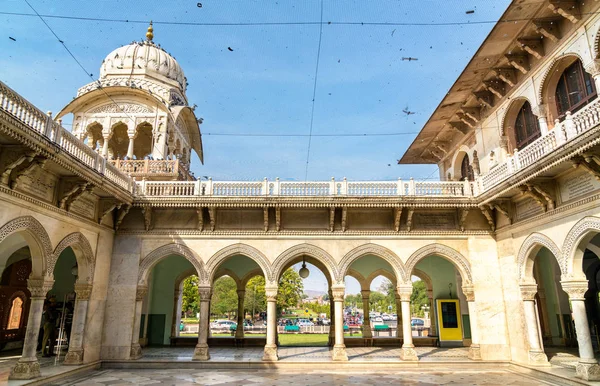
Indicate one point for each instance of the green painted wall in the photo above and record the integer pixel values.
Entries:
(368, 264)
(163, 290)
(64, 281)
(442, 273)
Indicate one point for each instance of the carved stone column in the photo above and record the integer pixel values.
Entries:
(540, 112)
(366, 333)
(106, 137)
(239, 332)
(475, 349)
(432, 318)
(339, 348)
(75, 354)
(28, 366)
(399, 324)
(136, 349)
(593, 68)
(201, 350)
(408, 352)
(176, 314)
(331, 341)
(130, 146)
(536, 351)
(270, 353)
(587, 368)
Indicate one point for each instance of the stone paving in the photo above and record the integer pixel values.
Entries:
(279, 377)
(306, 354)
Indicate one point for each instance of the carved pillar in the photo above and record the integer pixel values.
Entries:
(540, 112)
(239, 332)
(432, 318)
(179, 310)
(201, 350)
(408, 352)
(399, 324)
(339, 348)
(366, 333)
(136, 349)
(28, 366)
(474, 350)
(331, 320)
(593, 68)
(75, 354)
(106, 137)
(536, 350)
(270, 353)
(130, 146)
(587, 368)
(176, 314)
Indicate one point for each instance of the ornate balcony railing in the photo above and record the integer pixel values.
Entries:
(274, 188)
(153, 169)
(22, 110)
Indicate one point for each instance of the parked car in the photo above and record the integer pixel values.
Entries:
(378, 319)
(224, 324)
(416, 322)
(386, 317)
(304, 323)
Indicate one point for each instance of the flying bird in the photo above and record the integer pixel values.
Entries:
(410, 59)
(407, 111)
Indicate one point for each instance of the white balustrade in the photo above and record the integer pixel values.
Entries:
(372, 188)
(308, 188)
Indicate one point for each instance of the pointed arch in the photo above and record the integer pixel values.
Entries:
(381, 272)
(83, 253)
(452, 255)
(528, 251)
(575, 243)
(290, 254)
(37, 240)
(166, 250)
(375, 250)
(237, 249)
(424, 277)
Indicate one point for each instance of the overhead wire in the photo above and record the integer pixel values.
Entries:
(312, 111)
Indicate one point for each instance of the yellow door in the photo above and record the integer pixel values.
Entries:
(449, 319)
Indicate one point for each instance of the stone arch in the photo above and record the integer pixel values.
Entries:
(315, 252)
(238, 249)
(226, 272)
(244, 280)
(182, 276)
(550, 81)
(596, 52)
(424, 277)
(37, 240)
(452, 255)
(455, 166)
(529, 249)
(508, 120)
(83, 253)
(380, 272)
(575, 244)
(376, 250)
(170, 249)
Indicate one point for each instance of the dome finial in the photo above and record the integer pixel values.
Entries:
(150, 33)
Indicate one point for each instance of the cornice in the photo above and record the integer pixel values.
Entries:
(320, 233)
(16, 129)
(52, 208)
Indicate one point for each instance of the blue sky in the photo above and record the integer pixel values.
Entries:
(265, 84)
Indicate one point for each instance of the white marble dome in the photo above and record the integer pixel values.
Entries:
(142, 58)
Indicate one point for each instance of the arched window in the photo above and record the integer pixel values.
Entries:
(575, 89)
(466, 171)
(527, 128)
(14, 317)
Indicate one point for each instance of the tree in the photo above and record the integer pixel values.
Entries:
(290, 290)
(224, 297)
(255, 299)
(419, 297)
(190, 300)
(353, 300)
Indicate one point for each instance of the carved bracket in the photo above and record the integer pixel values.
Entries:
(27, 157)
(331, 218)
(212, 214)
(507, 75)
(495, 87)
(485, 98)
(37, 162)
(108, 209)
(409, 219)
(266, 218)
(498, 208)
(121, 215)
(489, 217)
(466, 120)
(539, 195)
(277, 219)
(520, 62)
(472, 113)
(590, 163)
(569, 9)
(548, 28)
(533, 47)
(147, 212)
(344, 217)
(72, 195)
(397, 216)
(200, 216)
(462, 217)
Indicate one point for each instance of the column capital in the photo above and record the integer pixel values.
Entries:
(469, 292)
(366, 294)
(540, 111)
(404, 290)
(141, 292)
(575, 289)
(39, 286)
(593, 67)
(205, 293)
(528, 291)
(83, 291)
(271, 293)
(241, 293)
(338, 291)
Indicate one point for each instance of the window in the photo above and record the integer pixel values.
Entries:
(527, 128)
(14, 318)
(575, 89)
(466, 171)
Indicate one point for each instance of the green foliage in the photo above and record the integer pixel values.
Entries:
(290, 290)
(224, 297)
(318, 308)
(418, 298)
(255, 299)
(190, 299)
(353, 300)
